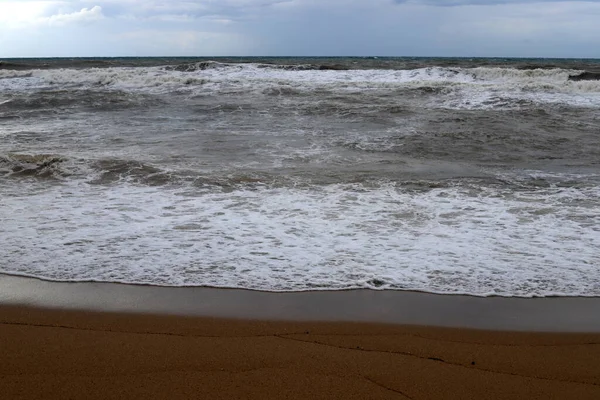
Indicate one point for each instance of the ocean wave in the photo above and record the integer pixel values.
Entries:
(116, 171)
(320, 74)
(532, 243)
(108, 171)
(52, 101)
(33, 165)
(585, 76)
(444, 87)
(419, 175)
(204, 65)
(100, 171)
(521, 75)
(199, 66)
(16, 66)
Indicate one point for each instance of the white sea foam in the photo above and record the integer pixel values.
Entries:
(248, 76)
(468, 88)
(449, 240)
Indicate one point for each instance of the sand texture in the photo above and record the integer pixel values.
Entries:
(59, 354)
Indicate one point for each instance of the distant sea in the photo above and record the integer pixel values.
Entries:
(476, 176)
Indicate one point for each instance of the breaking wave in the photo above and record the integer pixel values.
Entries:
(180, 77)
(34, 165)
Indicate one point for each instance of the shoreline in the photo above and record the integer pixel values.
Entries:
(549, 314)
(116, 341)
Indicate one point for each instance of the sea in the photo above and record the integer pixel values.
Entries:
(476, 176)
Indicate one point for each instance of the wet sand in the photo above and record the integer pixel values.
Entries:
(120, 349)
(552, 314)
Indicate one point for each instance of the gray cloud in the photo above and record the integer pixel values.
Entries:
(525, 28)
(454, 3)
(84, 15)
(231, 8)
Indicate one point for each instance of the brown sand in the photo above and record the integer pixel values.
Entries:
(66, 354)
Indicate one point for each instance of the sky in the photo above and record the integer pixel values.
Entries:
(465, 28)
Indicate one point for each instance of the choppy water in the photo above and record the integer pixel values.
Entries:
(443, 175)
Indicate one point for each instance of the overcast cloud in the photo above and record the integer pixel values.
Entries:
(520, 28)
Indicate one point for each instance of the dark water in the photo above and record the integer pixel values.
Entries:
(457, 175)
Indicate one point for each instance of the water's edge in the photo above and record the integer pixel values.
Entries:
(551, 314)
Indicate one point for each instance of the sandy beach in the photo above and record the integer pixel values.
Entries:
(68, 354)
(71, 352)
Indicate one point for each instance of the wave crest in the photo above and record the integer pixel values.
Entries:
(37, 165)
